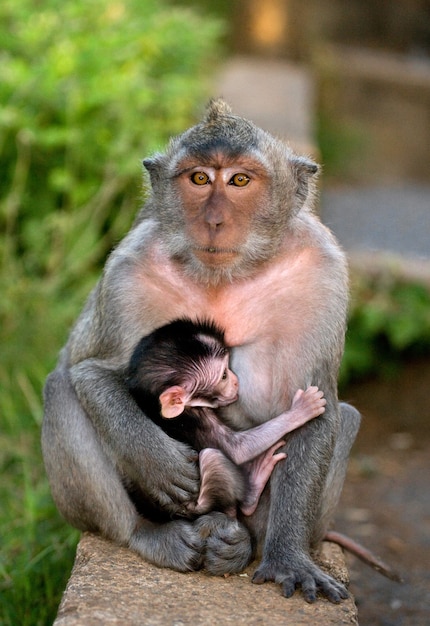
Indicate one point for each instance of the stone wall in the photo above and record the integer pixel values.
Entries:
(377, 105)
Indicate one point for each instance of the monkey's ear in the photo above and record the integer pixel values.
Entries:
(150, 164)
(173, 401)
(304, 166)
(154, 165)
(304, 169)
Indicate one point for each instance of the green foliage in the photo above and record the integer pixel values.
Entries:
(87, 90)
(37, 547)
(389, 323)
(341, 145)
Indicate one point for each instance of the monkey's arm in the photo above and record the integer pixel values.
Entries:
(164, 468)
(99, 346)
(243, 446)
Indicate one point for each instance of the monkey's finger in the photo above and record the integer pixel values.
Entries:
(298, 395)
(258, 578)
(276, 446)
(309, 589)
(333, 591)
(173, 496)
(320, 411)
(280, 455)
(314, 392)
(289, 585)
(182, 493)
(312, 389)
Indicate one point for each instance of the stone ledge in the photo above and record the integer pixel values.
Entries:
(111, 585)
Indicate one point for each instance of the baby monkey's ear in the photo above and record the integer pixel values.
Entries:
(173, 401)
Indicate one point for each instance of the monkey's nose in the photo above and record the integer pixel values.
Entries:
(214, 222)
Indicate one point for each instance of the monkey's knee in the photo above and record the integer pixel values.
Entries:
(348, 429)
(350, 422)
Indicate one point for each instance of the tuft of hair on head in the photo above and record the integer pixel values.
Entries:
(217, 107)
(201, 337)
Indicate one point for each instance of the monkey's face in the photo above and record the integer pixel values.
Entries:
(221, 199)
(227, 388)
(224, 195)
(215, 384)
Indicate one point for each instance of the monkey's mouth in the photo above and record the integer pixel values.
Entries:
(227, 401)
(215, 250)
(213, 255)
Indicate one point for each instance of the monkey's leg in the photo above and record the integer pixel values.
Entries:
(228, 547)
(243, 446)
(350, 423)
(222, 483)
(349, 426)
(89, 492)
(259, 471)
(313, 470)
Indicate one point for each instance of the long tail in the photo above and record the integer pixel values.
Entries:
(362, 553)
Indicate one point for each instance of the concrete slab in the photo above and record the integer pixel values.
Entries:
(113, 586)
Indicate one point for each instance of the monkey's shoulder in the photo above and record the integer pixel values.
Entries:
(312, 234)
(135, 249)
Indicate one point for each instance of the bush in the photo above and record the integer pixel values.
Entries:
(87, 90)
(389, 323)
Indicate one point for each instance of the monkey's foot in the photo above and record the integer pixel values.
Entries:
(228, 544)
(177, 544)
(259, 472)
(305, 575)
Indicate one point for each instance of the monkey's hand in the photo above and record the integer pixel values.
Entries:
(301, 572)
(306, 405)
(171, 478)
(228, 544)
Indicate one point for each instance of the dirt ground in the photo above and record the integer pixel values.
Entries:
(386, 500)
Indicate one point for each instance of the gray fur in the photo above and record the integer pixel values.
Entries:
(96, 442)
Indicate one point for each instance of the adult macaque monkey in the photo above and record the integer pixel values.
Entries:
(228, 234)
(178, 375)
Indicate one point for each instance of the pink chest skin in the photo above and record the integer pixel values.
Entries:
(264, 318)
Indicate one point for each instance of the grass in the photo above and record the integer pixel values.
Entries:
(37, 546)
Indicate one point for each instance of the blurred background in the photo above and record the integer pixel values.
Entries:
(89, 89)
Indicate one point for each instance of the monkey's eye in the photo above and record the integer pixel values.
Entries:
(239, 180)
(200, 178)
(224, 375)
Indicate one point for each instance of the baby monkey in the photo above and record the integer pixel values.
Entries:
(179, 375)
